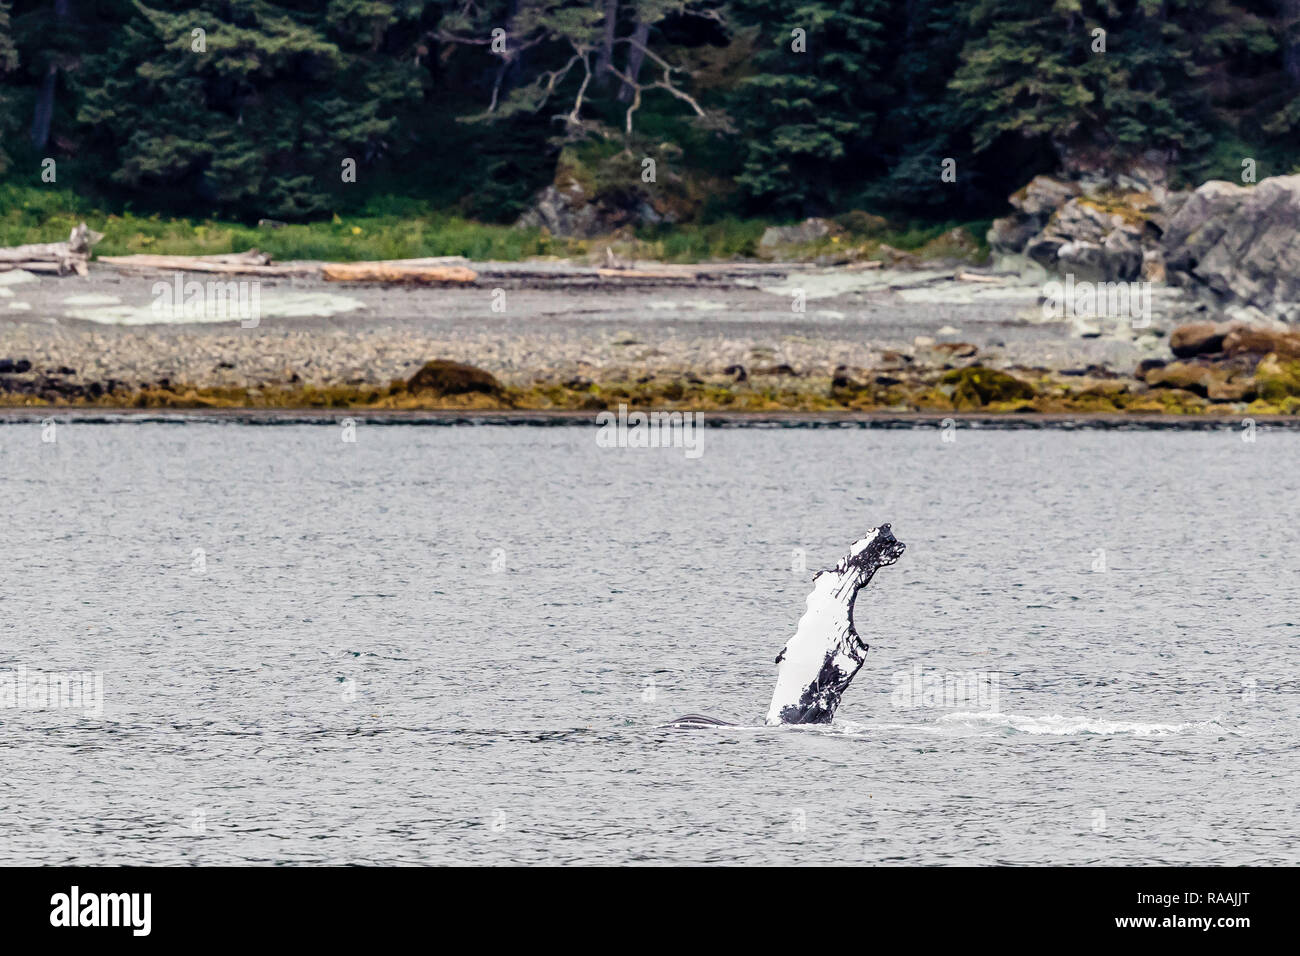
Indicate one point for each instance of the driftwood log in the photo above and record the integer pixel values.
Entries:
(434, 270)
(422, 271)
(60, 258)
(441, 269)
(251, 262)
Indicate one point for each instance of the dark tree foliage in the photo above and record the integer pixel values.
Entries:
(813, 107)
(8, 63)
(252, 107)
(244, 104)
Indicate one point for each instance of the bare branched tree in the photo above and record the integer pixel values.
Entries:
(582, 42)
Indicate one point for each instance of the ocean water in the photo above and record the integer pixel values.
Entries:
(461, 644)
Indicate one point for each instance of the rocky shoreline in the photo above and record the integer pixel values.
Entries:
(830, 336)
(1201, 369)
(555, 347)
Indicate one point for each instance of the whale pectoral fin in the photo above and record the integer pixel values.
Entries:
(826, 652)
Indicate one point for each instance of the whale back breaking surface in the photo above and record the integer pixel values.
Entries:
(820, 661)
(698, 720)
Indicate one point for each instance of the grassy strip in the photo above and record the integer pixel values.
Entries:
(401, 229)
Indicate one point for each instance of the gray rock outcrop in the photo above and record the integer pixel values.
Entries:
(1237, 248)
(568, 212)
(1096, 231)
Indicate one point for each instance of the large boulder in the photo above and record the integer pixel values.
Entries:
(1248, 340)
(1088, 240)
(976, 386)
(1238, 247)
(1099, 228)
(1042, 196)
(1034, 204)
(1201, 222)
(1122, 252)
(1197, 338)
(1218, 383)
(453, 378)
(1233, 340)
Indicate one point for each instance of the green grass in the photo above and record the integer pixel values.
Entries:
(725, 239)
(915, 235)
(390, 229)
(387, 228)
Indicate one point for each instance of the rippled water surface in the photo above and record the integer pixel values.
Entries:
(459, 644)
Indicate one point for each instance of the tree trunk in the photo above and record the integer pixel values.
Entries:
(515, 66)
(605, 55)
(1291, 39)
(44, 111)
(43, 114)
(635, 56)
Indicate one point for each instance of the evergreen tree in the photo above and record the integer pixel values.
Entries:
(8, 63)
(1111, 79)
(916, 132)
(807, 118)
(246, 106)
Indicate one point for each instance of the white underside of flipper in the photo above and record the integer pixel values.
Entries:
(826, 651)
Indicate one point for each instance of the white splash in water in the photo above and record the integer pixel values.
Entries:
(1059, 725)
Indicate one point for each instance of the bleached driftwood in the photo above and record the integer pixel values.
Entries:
(251, 262)
(398, 270)
(59, 258)
(254, 263)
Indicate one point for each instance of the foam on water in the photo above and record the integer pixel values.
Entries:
(1059, 725)
(989, 723)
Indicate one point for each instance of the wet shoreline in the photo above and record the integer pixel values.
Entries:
(566, 418)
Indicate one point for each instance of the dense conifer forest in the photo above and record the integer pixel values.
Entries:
(299, 111)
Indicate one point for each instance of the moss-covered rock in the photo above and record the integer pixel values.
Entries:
(453, 378)
(1286, 406)
(1231, 390)
(976, 386)
(1218, 382)
(1132, 207)
(1185, 375)
(1277, 378)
